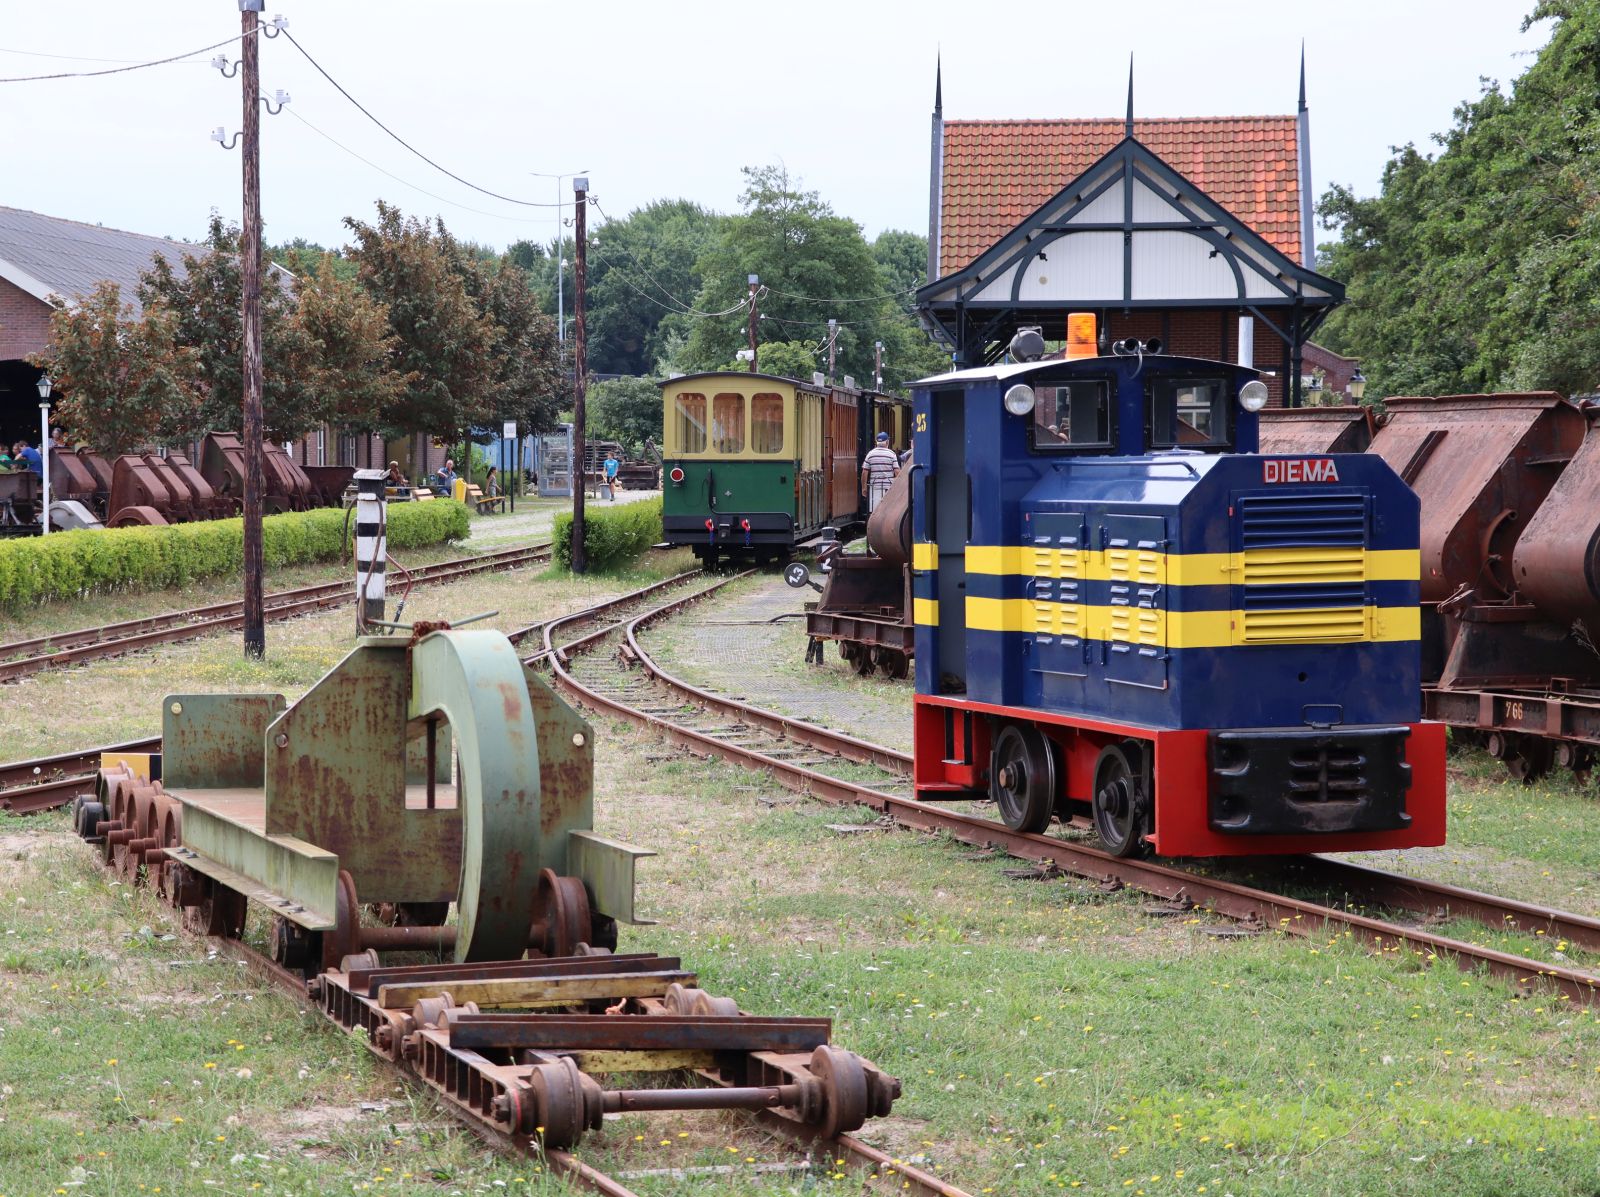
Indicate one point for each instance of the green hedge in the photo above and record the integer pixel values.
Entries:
(612, 536)
(66, 565)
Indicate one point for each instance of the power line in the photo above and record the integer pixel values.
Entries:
(642, 269)
(861, 299)
(138, 66)
(441, 169)
(407, 182)
(70, 57)
(682, 309)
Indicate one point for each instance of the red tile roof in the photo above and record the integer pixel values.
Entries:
(997, 172)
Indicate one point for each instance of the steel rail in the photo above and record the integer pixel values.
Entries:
(1374, 886)
(801, 731)
(903, 1177)
(30, 786)
(1254, 906)
(89, 644)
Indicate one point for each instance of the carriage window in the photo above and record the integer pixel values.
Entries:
(1188, 413)
(689, 423)
(727, 423)
(766, 423)
(1072, 415)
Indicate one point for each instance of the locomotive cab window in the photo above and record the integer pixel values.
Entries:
(727, 423)
(1190, 413)
(689, 423)
(766, 423)
(1072, 415)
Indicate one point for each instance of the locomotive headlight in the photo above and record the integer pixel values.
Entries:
(1019, 399)
(1253, 395)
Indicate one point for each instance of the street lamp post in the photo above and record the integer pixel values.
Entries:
(561, 263)
(44, 449)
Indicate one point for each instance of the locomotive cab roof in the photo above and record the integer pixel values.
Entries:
(1022, 371)
(1125, 404)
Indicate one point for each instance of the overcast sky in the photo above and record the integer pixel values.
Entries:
(671, 97)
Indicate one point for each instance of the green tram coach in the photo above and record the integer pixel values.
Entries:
(756, 465)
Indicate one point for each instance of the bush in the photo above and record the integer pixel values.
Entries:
(66, 565)
(612, 536)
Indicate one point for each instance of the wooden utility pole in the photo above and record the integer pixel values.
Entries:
(877, 366)
(750, 331)
(580, 282)
(255, 629)
(833, 340)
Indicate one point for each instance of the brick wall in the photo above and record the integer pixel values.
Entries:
(1206, 333)
(24, 322)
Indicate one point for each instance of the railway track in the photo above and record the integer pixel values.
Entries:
(27, 787)
(462, 1076)
(806, 758)
(23, 658)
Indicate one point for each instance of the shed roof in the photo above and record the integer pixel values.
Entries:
(998, 172)
(47, 256)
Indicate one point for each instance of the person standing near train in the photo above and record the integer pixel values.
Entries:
(879, 469)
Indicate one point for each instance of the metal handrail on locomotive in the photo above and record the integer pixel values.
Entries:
(756, 465)
(1124, 612)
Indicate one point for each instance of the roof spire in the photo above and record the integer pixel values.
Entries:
(938, 82)
(1302, 74)
(1128, 128)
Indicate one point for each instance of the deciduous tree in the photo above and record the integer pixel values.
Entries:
(442, 341)
(124, 381)
(627, 410)
(203, 293)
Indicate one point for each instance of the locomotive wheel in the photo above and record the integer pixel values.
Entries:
(1121, 807)
(1022, 778)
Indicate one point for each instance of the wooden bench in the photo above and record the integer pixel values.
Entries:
(490, 502)
(421, 494)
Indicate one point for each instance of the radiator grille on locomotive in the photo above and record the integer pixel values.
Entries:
(1304, 569)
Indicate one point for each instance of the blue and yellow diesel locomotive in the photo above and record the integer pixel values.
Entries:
(1123, 611)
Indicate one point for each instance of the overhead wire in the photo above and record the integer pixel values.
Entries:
(138, 66)
(682, 309)
(73, 57)
(366, 112)
(406, 182)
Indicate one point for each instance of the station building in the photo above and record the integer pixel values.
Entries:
(1173, 228)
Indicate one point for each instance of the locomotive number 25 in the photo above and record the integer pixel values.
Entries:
(922, 421)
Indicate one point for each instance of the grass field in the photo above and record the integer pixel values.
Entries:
(1051, 1036)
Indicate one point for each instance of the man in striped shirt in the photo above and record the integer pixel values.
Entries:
(878, 470)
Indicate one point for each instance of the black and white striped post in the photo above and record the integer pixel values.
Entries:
(371, 546)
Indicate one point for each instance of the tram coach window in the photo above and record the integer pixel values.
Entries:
(727, 423)
(1188, 413)
(1075, 415)
(689, 423)
(766, 423)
